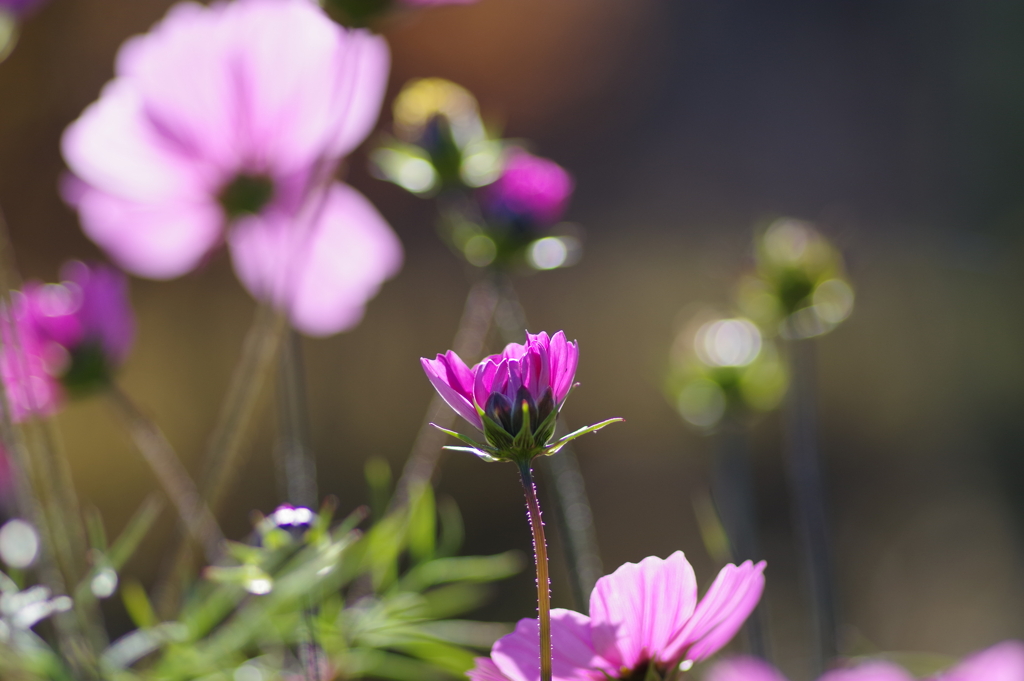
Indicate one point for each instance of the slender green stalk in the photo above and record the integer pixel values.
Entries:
(224, 451)
(49, 498)
(171, 474)
(805, 477)
(540, 551)
(296, 465)
(476, 321)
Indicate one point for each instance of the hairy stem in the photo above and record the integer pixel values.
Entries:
(171, 474)
(540, 550)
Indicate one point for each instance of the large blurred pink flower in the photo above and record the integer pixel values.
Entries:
(1002, 662)
(225, 124)
(643, 614)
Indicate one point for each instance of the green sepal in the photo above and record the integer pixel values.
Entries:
(473, 450)
(496, 435)
(524, 441)
(553, 449)
(546, 429)
(465, 438)
(652, 672)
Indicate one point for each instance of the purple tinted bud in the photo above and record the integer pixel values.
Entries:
(538, 373)
(105, 314)
(530, 190)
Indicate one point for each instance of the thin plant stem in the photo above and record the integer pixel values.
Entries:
(48, 498)
(295, 461)
(804, 468)
(733, 492)
(477, 316)
(170, 472)
(540, 551)
(224, 453)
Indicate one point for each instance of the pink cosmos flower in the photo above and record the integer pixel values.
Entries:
(69, 335)
(643, 614)
(538, 374)
(225, 125)
(531, 191)
(1002, 662)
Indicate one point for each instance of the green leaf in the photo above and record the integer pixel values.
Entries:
(422, 523)
(582, 431)
(136, 602)
(135, 531)
(452, 527)
(463, 569)
(465, 438)
(473, 450)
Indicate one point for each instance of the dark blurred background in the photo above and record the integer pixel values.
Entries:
(897, 125)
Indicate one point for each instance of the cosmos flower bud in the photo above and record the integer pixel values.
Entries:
(513, 397)
(531, 193)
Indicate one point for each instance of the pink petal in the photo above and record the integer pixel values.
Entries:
(638, 609)
(743, 669)
(720, 614)
(871, 671)
(513, 351)
(155, 240)
(437, 373)
(459, 376)
(323, 275)
(485, 670)
(1002, 662)
(484, 379)
(113, 148)
(573, 658)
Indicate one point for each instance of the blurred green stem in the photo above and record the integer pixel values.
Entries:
(224, 452)
(805, 479)
(296, 465)
(540, 551)
(171, 474)
(46, 495)
(477, 315)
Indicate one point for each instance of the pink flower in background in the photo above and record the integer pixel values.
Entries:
(19, 7)
(642, 614)
(225, 125)
(72, 335)
(540, 373)
(1002, 662)
(531, 191)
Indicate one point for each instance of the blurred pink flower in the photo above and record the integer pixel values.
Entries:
(435, 3)
(642, 614)
(540, 373)
(72, 335)
(225, 124)
(19, 8)
(531, 191)
(1002, 662)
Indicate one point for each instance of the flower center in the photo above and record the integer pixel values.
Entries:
(246, 194)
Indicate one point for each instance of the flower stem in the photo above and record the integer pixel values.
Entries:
(469, 343)
(540, 550)
(805, 477)
(170, 472)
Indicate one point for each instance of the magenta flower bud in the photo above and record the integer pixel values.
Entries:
(531, 191)
(513, 397)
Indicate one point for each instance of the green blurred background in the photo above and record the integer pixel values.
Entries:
(898, 126)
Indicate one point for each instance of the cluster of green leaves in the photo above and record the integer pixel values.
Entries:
(329, 600)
